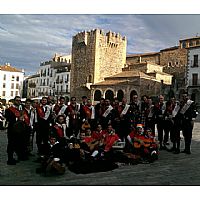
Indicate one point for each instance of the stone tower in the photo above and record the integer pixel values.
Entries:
(95, 55)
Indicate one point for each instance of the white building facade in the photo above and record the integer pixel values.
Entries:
(33, 86)
(193, 74)
(52, 79)
(11, 82)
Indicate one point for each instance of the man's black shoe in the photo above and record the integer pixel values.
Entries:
(30, 154)
(11, 162)
(163, 148)
(184, 151)
(166, 143)
(177, 151)
(172, 149)
(24, 158)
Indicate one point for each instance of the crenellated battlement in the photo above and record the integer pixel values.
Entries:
(109, 37)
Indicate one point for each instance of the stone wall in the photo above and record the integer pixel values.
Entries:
(150, 87)
(144, 87)
(95, 55)
(151, 57)
(174, 60)
(110, 55)
(175, 56)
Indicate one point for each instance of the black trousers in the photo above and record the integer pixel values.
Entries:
(175, 134)
(16, 143)
(160, 128)
(42, 135)
(168, 124)
(187, 133)
(150, 124)
(12, 143)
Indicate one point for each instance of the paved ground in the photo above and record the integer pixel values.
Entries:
(170, 169)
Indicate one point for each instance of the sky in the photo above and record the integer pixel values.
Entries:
(28, 39)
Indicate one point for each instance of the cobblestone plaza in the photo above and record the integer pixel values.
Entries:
(170, 169)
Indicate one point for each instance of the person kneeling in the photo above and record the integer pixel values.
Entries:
(52, 160)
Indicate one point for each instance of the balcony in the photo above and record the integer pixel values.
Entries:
(32, 85)
(194, 84)
(45, 63)
(60, 64)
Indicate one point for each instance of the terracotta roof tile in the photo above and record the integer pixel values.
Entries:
(142, 54)
(128, 74)
(9, 68)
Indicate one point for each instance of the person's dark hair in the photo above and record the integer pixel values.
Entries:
(72, 98)
(84, 97)
(62, 98)
(45, 98)
(142, 98)
(98, 125)
(28, 100)
(17, 97)
(59, 117)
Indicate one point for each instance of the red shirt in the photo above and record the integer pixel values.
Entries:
(88, 139)
(110, 140)
(98, 135)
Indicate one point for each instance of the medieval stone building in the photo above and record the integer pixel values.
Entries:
(101, 68)
(140, 78)
(174, 62)
(95, 55)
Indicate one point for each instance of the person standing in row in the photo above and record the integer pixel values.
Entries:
(107, 115)
(189, 113)
(88, 113)
(135, 107)
(13, 114)
(34, 124)
(73, 112)
(44, 112)
(159, 113)
(99, 110)
(125, 125)
(27, 137)
(176, 128)
(150, 116)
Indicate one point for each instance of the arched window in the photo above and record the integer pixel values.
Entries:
(109, 95)
(120, 95)
(97, 95)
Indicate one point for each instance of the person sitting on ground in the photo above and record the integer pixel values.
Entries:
(98, 134)
(110, 138)
(143, 143)
(52, 160)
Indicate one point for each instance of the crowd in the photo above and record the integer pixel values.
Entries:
(87, 137)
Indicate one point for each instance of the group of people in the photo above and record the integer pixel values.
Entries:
(70, 132)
